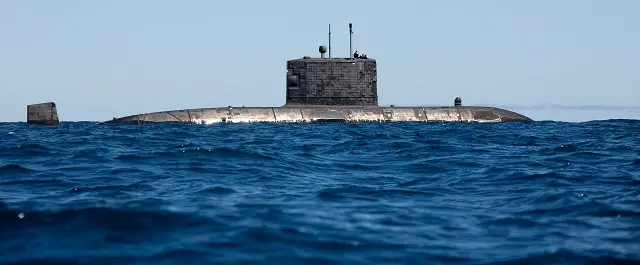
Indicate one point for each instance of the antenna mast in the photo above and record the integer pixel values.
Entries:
(350, 45)
(329, 40)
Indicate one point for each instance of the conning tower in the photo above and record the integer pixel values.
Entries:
(332, 81)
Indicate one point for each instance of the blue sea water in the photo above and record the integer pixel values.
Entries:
(388, 193)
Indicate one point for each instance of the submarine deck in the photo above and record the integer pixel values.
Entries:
(311, 114)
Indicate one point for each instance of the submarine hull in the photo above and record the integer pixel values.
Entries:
(339, 114)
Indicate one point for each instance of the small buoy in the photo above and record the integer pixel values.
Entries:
(21, 215)
(10, 132)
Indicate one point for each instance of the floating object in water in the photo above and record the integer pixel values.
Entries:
(43, 114)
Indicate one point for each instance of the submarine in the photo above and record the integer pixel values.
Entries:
(339, 90)
(329, 89)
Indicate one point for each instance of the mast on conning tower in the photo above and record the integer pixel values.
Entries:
(329, 40)
(350, 44)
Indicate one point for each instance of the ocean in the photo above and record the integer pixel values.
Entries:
(373, 193)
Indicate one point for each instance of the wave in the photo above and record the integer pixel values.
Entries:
(327, 193)
(353, 192)
(216, 191)
(567, 257)
(14, 169)
(28, 150)
(130, 220)
(38, 181)
(140, 186)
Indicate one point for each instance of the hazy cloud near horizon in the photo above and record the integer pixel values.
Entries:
(572, 60)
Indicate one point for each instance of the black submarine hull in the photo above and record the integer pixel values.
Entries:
(339, 114)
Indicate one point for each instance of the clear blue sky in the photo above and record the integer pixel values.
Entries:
(104, 59)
